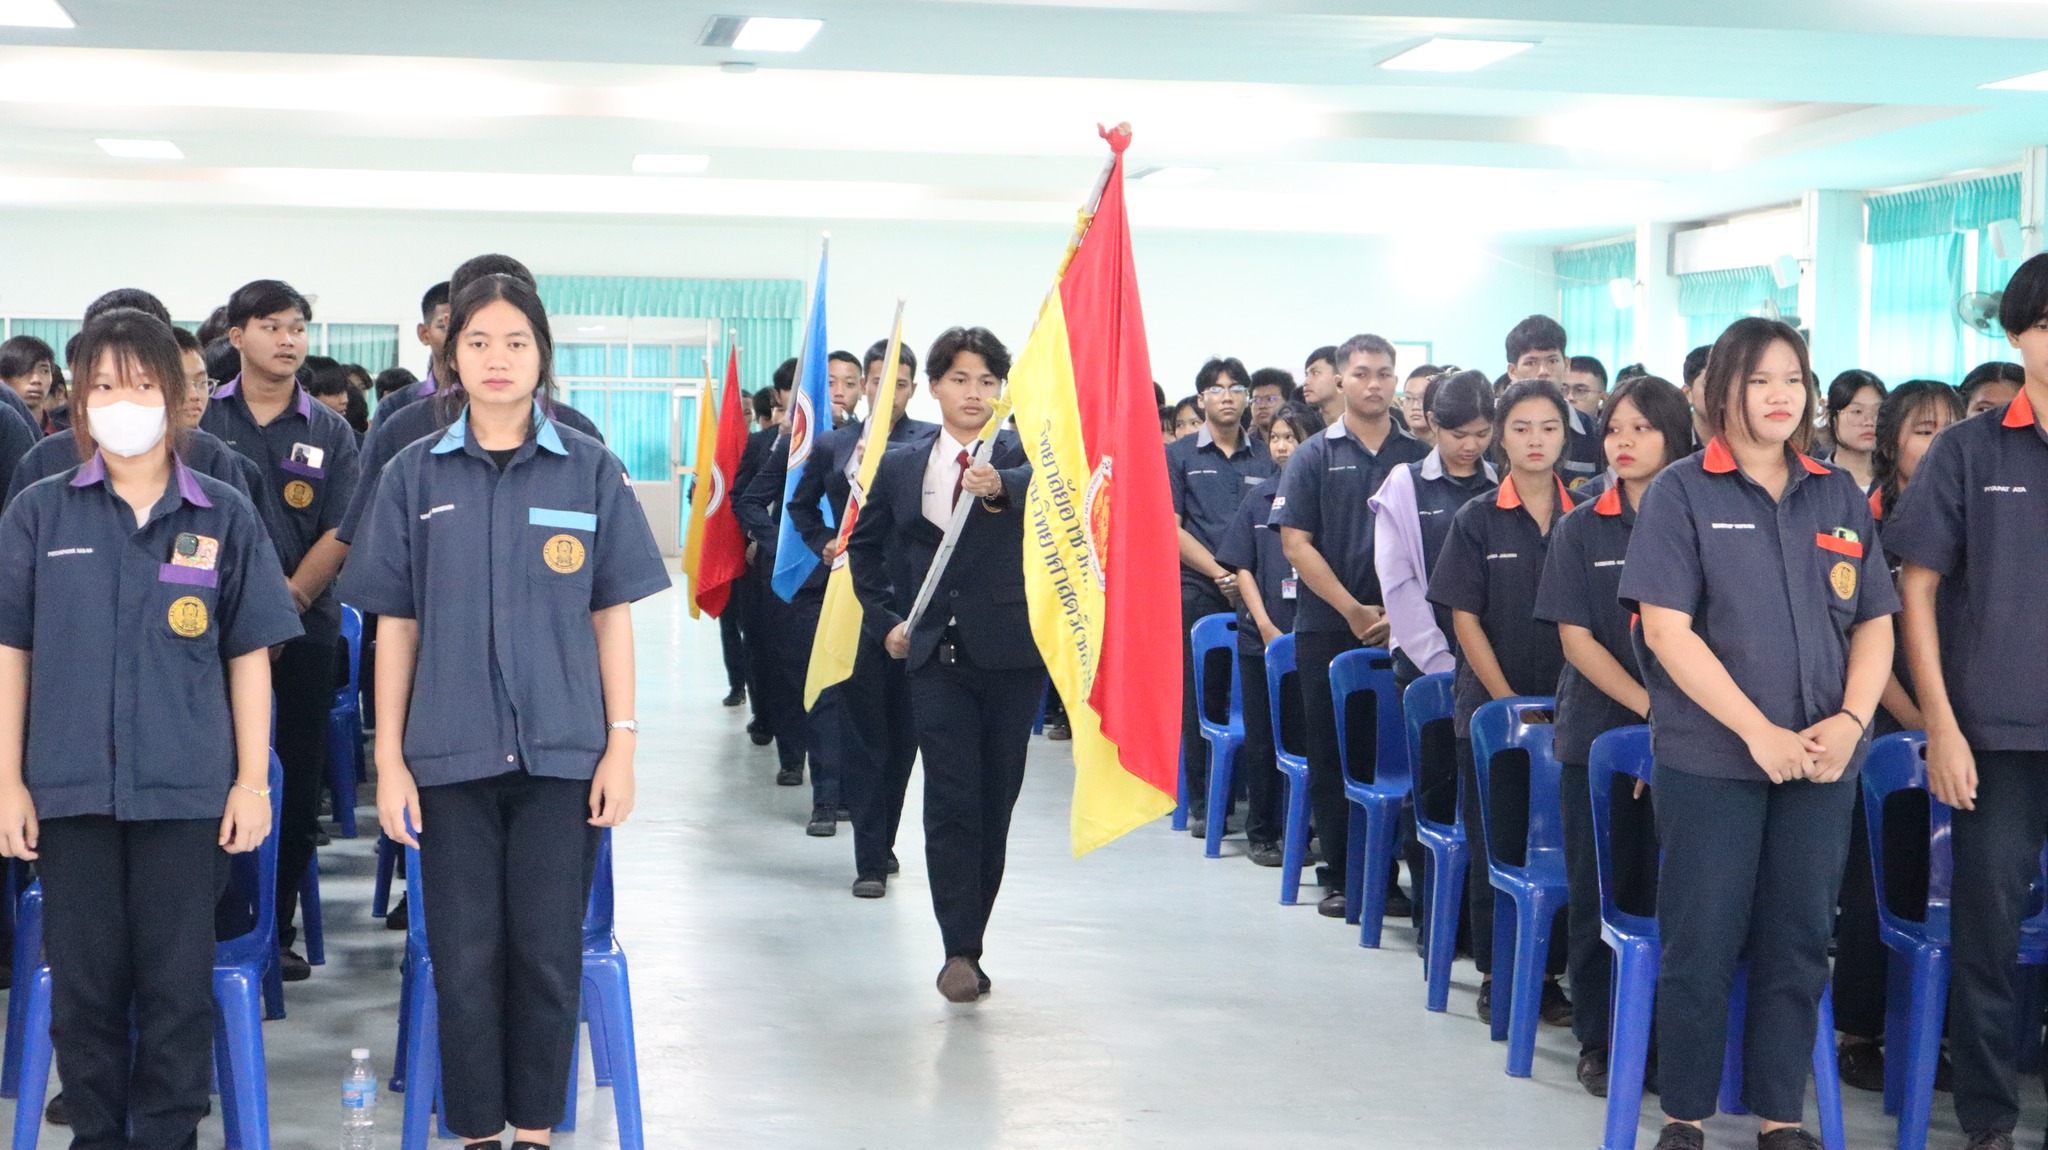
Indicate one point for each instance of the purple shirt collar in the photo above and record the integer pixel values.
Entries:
(94, 470)
(429, 385)
(302, 402)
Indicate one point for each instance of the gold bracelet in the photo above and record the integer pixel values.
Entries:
(262, 794)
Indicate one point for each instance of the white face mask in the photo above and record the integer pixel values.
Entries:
(126, 429)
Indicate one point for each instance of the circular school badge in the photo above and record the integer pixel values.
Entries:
(1843, 580)
(188, 617)
(298, 493)
(563, 554)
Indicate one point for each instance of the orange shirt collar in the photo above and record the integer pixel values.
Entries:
(1508, 498)
(2020, 412)
(1610, 501)
(1720, 460)
(1877, 505)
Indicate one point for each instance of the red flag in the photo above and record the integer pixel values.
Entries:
(723, 555)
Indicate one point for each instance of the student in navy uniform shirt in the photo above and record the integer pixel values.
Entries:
(974, 670)
(503, 558)
(1973, 525)
(1765, 609)
(751, 589)
(1536, 350)
(433, 334)
(1266, 582)
(1208, 474)
(1646, 425)
(138, 601)
(1486, 576)
(1326, 527)
(308, 458)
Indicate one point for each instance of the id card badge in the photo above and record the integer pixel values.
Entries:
(1288, 588)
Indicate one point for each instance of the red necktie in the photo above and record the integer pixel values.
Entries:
(960, 476)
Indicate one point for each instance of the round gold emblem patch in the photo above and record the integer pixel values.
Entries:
(563, 554)
(188, 617)
(1843, 580)
(298, 493)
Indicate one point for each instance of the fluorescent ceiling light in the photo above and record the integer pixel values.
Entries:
(35, 14)
(1173, 177)
(2031, 82)
(141, 149)
(663, 164)
(775, 34)
(1447, 55)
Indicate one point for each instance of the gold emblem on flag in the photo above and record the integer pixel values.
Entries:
(1097, 500)
(1843, 580)
(298, 493)
(188, 617)
(563, 554)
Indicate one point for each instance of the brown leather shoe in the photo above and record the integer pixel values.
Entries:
(959, 981)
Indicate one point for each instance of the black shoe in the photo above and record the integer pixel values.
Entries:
(57, 1112)
(1990, 1140)
(1314, 854)
(870, 886)
(322, 839)
(1058, 732)
(822, 825)
(1332, 905)
(735, 697)
(1398, 905)
(1592, 1071)
(292, 967)
(399, 918)
(1485, 1004)
(843, 814)
(761, 738)
(789, 777)
(960, 980)
(1198, 821)
(1787, 1138)
(1861, 1062)
(1679, 1136)
(1556, 1009)
(981, 975)
(1266, 854)
(894, 866)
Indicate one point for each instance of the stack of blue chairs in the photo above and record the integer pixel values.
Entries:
(1442, 886)
(1293, 762)
(1224, 733)
(1375, 806)
(1527, 895)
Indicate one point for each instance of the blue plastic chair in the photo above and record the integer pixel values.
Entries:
(1625, 753)
(28, 954)
(1293, 763)
(1375, 806)
(244, 973)
(309, 913)
(1225, 734)
(1527, 896)
(607, 1009)
(1442, 886)
(345, 729)
(1180, 794)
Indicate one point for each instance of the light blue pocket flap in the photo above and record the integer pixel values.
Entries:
(549, 517)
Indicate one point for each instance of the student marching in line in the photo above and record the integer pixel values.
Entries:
(1486, 577)
(1972, 530)
(1645, 425)
(1765, 609)
(138, 603)
(502, 557)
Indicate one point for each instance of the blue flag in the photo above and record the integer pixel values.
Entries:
(810, 416)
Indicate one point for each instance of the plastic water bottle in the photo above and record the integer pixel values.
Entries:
(359, 1104)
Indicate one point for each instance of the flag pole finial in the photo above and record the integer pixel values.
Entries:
(1119, 137)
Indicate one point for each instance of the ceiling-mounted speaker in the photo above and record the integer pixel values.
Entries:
(2005, 239)
(1785, 271)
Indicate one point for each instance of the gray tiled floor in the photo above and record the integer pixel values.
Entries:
(1144, 996)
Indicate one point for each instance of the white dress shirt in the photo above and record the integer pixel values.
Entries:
(941, 475)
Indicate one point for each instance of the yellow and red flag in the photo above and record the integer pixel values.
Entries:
(715, 552)
(1101, 562)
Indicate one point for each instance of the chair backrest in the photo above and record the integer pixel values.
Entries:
(1280, 677)
(1370, 670)
(1216, 632)
(1521, 723)
(252, 890)
(1623, 752)
(597, 914)
(1430, 699)
(352, 634)
(1898, 763)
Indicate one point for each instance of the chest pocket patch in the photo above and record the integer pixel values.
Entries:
(563, 554)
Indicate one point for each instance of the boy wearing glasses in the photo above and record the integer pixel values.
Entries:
(1209, 473)
(1271, 387)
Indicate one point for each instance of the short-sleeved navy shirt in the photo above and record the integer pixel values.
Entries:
(1976, 513)
(1324, 492)
(1208, 484)
(56, 454)
(1252, 543)
(129, 631)
(1774, 588)
(1491, 563)
(308, 459)
(17, 440)
(502, 570)
(1581, 586)
(12, 399)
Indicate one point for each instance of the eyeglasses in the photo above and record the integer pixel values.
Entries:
(1238, 390)
(1268, 401)
(210, 386)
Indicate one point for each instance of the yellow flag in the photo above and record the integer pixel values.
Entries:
(702, 489)
(837, 643)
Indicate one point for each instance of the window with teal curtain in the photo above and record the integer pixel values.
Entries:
(372, 346)
(767, 312)
(1710, 301)
(1920, 241)
(1585, 302)
(627, 390)
(55, 332)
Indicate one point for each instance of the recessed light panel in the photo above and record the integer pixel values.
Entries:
(2031, 82)
(34, 14)
(775, 34)
(1448, 55)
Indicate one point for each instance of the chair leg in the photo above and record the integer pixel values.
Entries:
(1222, 764)
(1827, 1076)
(244, 1083)
(223, 1074)
(398, 1060)
(1898, 1019)
(34, 1082)
(387, 861)
(1294, 851)
(1446, 897)
(28, 945)
(423, 1064)
(309, 913)
(1505, 986)
(1628, 1044)
(1381, 824)
(615, 1006)
(1355, 836)
(1916, 1046)
(1731, 1054)
(1532, 947)
(600, 1052)
(273, 989)
(1180, 802)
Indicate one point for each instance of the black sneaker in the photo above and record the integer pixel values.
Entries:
(1398, 904)
(57, 1112)
(1265, 854)
(1592, 1072)
(789, 777)
(823, 824)
(1788, 1138)
(1990, 1140)
(292, 967)
(1332, 905)
(894, 866)
(1058, 732)
(761, 737)
(1680, 1136)
(735, 697)
(870, 886)
(1198, 822)
(399, 918)
(1485, 1003)
(1861, 1062)
(1556, 1009)
(982, 979)
(843, 814)
(322, 839)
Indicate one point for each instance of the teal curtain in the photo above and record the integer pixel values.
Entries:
(766, 311)
(598, 380)
(763, 344)
(1710, 301)
(1962, 206)
(1992, 276)
(55, 332)
(1913, 330)
(1585, 303)
(372, 346)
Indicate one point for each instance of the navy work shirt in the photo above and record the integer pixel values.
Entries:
(1774, 588)
(1208, 484)
(17, 441)
(1324, 493)
(129, 631)
(1252, 544)
(1491, 563)
(1976, 514)
(308, 459)
(1581, 586)
(56, 454)
(12, 399)
(503, 570)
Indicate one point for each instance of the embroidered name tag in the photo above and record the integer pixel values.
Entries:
(1733, 526)
(430, 512)
(63, 551)
(2005, 489)
(1504, 555)
(574, 520)
(1610, 563)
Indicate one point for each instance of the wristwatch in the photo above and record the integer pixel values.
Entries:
(632, 725)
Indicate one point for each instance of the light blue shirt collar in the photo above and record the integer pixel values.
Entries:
(544, 433)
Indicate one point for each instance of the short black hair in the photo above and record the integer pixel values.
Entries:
(20, 355)
(328, 380)
(265, 297)
(956, 340)
(437, 296)
(1187, 403)
(1456, 398)
(1213, 372)
(222, 360)
(1632, 371)
(313, 363)
(477, 267)
(1660, 402)
(1359, 345)
(1278, 377)
(1305, 421)
(2026, 296)
(785, 376)
(393, 379)
(215, 327)
(1325, 354)
(136, 298)
(1587, 365)
(763, 402)
(1995, 371)
(878, 352)
(1843, 390)
(846, 357)
(1425, 372)
(1537, 333)
(1696, 362)
(186, 340)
